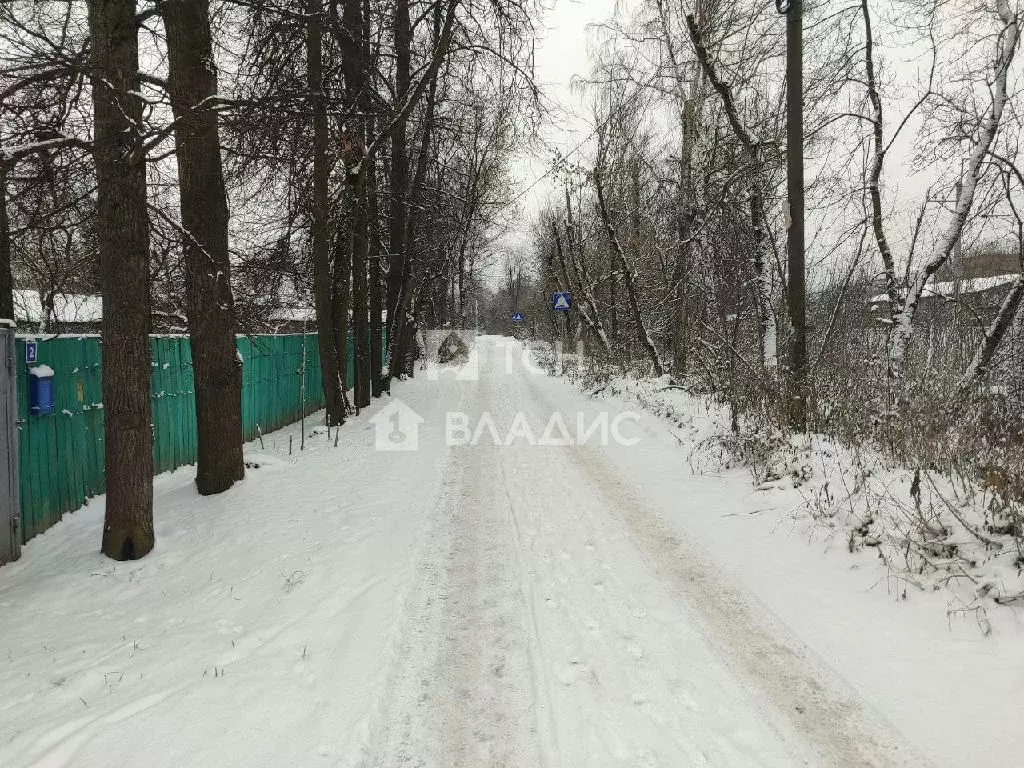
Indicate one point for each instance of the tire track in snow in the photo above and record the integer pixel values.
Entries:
(639, 686)
(460, 699)
(62, 749)
(545, 714)
(383, 739)
(846, 732)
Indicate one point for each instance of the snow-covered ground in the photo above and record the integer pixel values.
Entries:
(525, 604)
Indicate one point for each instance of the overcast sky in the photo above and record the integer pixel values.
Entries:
(561, 55)
(565, 39)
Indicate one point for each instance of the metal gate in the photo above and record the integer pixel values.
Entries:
(10, 516)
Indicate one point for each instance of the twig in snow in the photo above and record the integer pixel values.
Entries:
(990, 543)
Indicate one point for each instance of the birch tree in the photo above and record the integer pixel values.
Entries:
(1006, 42)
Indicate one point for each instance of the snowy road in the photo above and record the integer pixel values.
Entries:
(477, 605)
(559, 622)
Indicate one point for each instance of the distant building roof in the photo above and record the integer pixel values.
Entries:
(989, 263)
(67, 308)
(967, 287)
(299, 314)
(293, 315)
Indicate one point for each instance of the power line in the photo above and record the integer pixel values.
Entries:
(558, 165)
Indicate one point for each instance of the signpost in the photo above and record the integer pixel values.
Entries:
(561, 301)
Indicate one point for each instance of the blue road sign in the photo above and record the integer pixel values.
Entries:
(31, 352)
(517, 317)
(560, 302)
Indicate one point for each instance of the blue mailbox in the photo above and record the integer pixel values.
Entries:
(40, 390)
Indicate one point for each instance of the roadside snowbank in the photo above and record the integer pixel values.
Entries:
(929, 533)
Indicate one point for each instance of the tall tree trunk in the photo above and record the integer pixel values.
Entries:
(342, 300)
(461, 306)
(354, 53)
(685, 213)
(878, 153)
(400, 282)
(686, 201)
(323, 282)
(762, 278)
(360, 297)
(376, 293)
(613, 295)
(375, 297)
(469, 212)
(204, 218)
(360, 303)
(6, 274)
(399, 183)
(405, 351)
(574, 245)
(123, 239)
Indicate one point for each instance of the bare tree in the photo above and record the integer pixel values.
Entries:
(629, 276)
(323, 281)
(124, 265)
(204, 217)
(1005, 50)
(754, 148)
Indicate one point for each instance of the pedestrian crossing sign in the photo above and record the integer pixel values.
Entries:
(560, 302)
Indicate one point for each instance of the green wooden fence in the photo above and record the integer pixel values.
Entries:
(61, 454)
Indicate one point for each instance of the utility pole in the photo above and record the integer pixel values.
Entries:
(796, 299)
